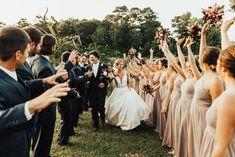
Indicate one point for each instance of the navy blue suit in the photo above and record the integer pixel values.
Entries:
(14, 138)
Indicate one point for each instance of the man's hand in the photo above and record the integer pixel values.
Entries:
(47, 98)
(101, 85)
(72, 57)
(52, 79)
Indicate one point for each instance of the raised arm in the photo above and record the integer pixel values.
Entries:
(171, 58)
(203, 44)
(180, 55)
(191, 58)
(225, 42)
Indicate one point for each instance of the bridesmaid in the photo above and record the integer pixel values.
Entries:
(174, 84)
(182, 108)
(162, 93)
(154, 79)
(207, 88)
(219, 134)
(162, 65)
(167, 106)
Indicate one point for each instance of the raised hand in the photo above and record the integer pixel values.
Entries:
(52, 95)
(180, 41)
(72, 57)
(189, 42)
(165, 46)
(205, 28)
(151, 50)
(227, 24)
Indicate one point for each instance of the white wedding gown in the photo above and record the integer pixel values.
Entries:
(124, 107)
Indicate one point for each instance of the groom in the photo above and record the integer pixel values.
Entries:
(97, 89)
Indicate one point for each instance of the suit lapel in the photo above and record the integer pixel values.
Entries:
(99, 71)
(18, 86)
(28, 68)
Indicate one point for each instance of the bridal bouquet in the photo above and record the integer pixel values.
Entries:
(161, 34)
(148, 89)
(194, 31)
(213, 14)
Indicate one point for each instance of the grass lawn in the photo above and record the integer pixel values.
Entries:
(109, 141)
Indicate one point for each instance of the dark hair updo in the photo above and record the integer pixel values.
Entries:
(164, 62)
(210, 57)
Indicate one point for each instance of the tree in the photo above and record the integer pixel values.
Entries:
(180, 23)
(119, 15)
(23, 23)
(47, 25)
(85, 30)
(2, 24)
(102, 34)
(232, 4)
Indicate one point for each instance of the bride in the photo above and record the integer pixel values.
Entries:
(124, 107)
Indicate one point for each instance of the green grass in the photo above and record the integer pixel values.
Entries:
(109, 141)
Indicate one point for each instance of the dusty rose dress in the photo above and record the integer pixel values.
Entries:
(200, 104)
(168, 134)
(156, 108)
(181, 121)
(209, 134)
(162, 91)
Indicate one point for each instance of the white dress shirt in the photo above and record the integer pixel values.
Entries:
(47, 57)
(95, 68)
(12, 74)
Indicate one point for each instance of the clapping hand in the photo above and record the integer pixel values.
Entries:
(50, 96)
(52, 79)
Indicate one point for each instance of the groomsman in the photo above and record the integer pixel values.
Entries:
(25, 71)
(97, 89)
(42, 68)
(15, 109)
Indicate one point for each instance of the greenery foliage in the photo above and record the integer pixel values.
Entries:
(116, 33)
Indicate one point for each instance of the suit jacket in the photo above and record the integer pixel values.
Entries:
(95, 81)
(14, 140)
(42, 68)
(27, 75)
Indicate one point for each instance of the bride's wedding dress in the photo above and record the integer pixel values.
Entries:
(124, 107)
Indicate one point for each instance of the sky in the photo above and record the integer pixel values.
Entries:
(12, 10)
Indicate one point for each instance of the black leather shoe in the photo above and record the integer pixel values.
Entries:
(66, 144)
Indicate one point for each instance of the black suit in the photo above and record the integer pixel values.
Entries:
(97, 95)
(27, 75)
(14, 139)
(42, 68)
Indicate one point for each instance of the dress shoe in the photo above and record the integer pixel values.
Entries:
(66, 144)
